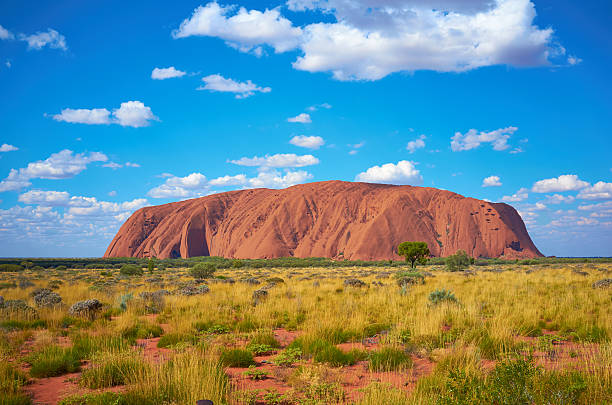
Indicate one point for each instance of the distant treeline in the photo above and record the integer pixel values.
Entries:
(18, 264)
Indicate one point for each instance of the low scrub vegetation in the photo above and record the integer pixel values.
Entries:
(536, 332)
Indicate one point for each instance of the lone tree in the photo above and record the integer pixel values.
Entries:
(414, 252)
(459, 261)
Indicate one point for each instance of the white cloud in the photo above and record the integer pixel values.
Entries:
(166, 73)
(278, 160)
(275, 179)
(404, 172)
(565, 182)
(134, 114)
(112, 165)
(112, 193)
(84, 116)
(520, 195)
(310, 142)
(600, 207)
(241, 89)
(558, 199)
(472, 139)
(245, 30)
(302, 118)
(327, 106)
(131, 164)
(598, 191)
(370, 39)
(418, 143)
(491, 181)
(225, 181)
(51, 38)
(46, 198)
(129, 114)
(196, 185)
(573, 60)
(5, 147)
(5, 34)
(193, 185)
(61, 165)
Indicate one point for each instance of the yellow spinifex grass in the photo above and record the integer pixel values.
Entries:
(494, 314)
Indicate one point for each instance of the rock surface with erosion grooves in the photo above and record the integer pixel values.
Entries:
(336, 219)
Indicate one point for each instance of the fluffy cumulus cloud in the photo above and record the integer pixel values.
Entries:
(129, 114)
(302, 118)
(418, 143)
(520, 195)
(598, 191)
(404, 172)
(5, 34)
(196, 184)
(278, 160)
(61, 165)
(50, 38)
(371, 39)
(5, 147)
(473, 139)
(193, 185)
(240, 89)
(166, 73)
(59, 219)
(565, 182)
(310, 142)
(491, 181)
(245, 30)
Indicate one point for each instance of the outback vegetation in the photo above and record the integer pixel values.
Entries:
(305, 331)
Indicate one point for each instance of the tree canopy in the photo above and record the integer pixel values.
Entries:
(414, 252)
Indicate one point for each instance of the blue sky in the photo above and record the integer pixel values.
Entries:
(110, 106)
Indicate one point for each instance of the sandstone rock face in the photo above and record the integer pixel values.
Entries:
(335, 219)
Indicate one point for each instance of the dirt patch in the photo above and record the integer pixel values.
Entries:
(48, 391)
(150, 350)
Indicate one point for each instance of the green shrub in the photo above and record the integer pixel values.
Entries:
(52, 361)
(389, 359)
(438, 296)
(85, 345)
(131, 270)
(458, 262)
(236, 358)
(256, 374)
(14, 324)
(203, 270)
(10, 267)
(288, 356)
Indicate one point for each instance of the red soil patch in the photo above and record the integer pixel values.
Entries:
(285, 337)
(150, 350)
(48, 391)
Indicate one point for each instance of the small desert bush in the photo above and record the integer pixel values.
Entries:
(203, 270)
(111, 369)
(131, 270)
(439, 296)
(236, 358)
(52, 361)
(389, 359)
